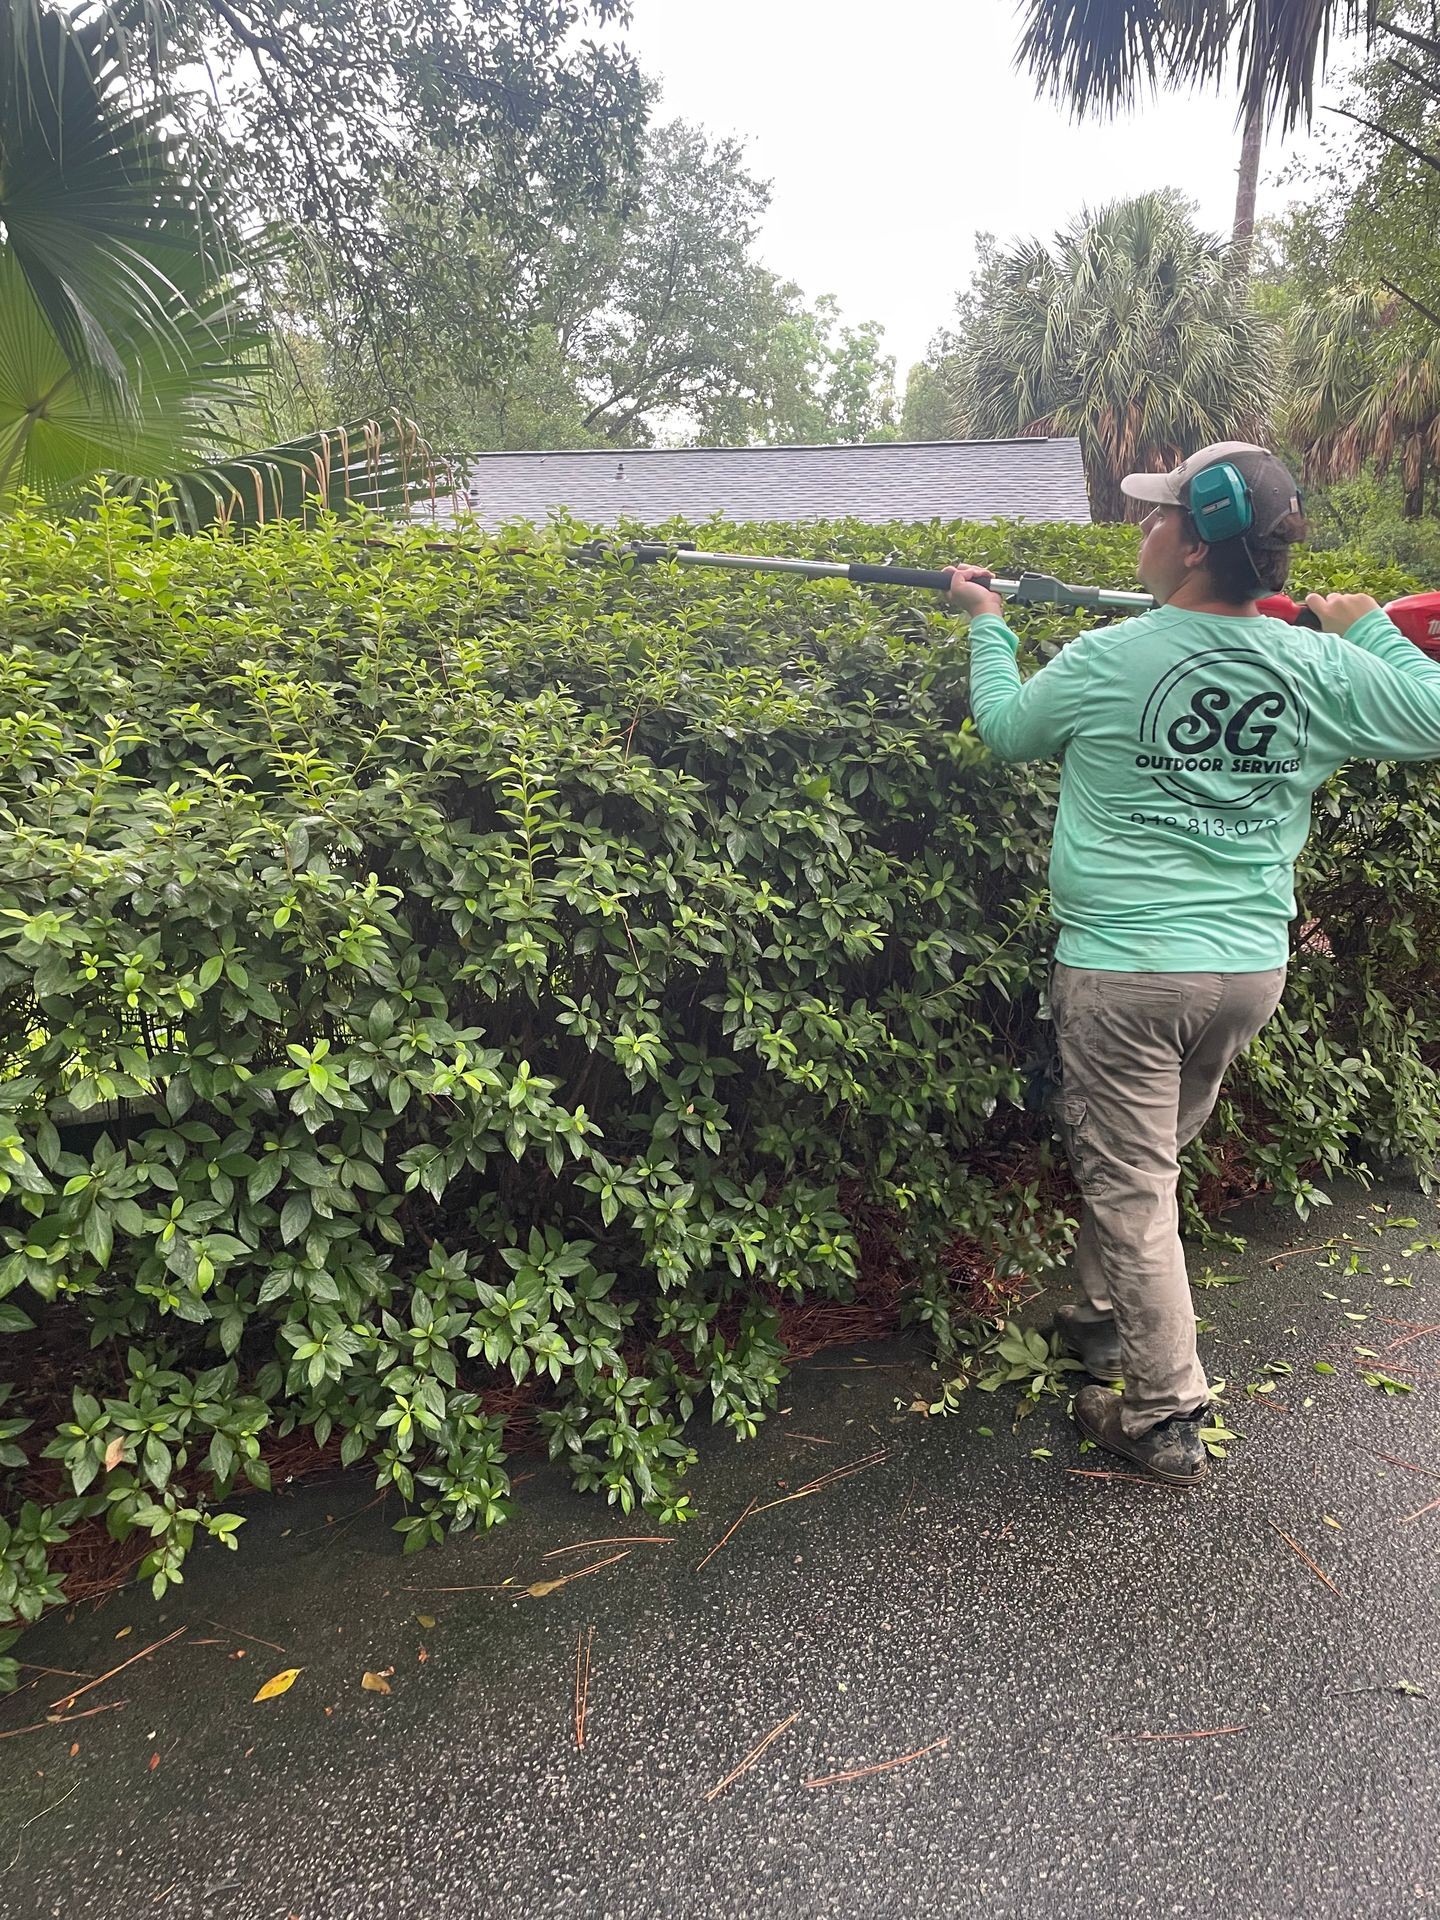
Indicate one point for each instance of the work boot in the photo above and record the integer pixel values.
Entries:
(1172, 1451)
(1094, 1343)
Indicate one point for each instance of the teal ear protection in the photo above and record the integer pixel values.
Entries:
(1220, 503)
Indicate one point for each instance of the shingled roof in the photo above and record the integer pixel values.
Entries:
(898, 480)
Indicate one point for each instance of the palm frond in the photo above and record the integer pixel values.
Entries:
(97, 209)
(1364, 389)
(1105, 55)
(1124, 332)
(186, 385)
(383, 465)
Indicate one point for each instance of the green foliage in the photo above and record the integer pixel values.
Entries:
(371, 465)
(652, 314)
(1366, 517)
(431, 972)
(1369, 210)
(1385, 1382)
(805, 378)
(928, 411)
(1023, 1356)
(999, 1354)
(118, 345)
(1128, 332)
(97, 216)
(58, 428)
(521, 115)
(1353, 271)
(126, 343)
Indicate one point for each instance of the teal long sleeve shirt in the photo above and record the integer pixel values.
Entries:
(1191, 745)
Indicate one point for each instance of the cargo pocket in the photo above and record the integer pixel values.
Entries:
(1067, 1110)
(1072, 1112)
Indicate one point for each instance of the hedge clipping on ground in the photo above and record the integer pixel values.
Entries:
(428, 969)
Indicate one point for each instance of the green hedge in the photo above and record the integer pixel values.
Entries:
(430, 968)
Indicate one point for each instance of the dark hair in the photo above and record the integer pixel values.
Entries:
(1248, 568)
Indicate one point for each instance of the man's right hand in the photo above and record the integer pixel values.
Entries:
(1338, 612)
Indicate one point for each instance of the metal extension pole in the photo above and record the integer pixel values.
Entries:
(1035, 589)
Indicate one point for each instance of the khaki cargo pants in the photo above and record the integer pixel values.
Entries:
(1142, 1057)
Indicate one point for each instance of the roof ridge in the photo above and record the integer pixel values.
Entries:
(797, 446)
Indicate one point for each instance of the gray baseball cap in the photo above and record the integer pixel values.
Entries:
(1273, 488)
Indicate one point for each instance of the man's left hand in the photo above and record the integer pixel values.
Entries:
(968, 593)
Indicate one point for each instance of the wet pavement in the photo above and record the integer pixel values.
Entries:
(1124, 1700)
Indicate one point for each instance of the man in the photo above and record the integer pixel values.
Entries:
(1193, 738)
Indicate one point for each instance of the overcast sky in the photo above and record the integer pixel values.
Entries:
(893, 130)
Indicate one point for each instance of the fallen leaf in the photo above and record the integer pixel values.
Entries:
(154, 1761)
(1330, 1520)
(423, 1656)
(239, 1654)
(374, 1683)
(279, 1683)
(123, 1631)
(115, 1452)
(541, 1587)
(426, 1620)
(74, 1748)
(328, 1712)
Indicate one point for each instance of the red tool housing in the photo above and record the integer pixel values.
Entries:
(1418, 618)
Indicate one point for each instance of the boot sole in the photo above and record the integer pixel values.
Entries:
(1116, 1443)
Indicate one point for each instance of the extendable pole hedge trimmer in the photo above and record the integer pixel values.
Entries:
(1417, 615)
(1033, 588)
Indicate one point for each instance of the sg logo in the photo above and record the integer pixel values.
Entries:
(1205, 724)
(1222, 728)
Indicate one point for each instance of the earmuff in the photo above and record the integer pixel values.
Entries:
(1221, 505)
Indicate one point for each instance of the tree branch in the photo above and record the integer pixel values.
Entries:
(1422, 43)
(1420, 307)
(247, 36)
(610, 400)
(1430, 160)
(1426, 84)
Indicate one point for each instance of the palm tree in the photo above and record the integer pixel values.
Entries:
(1102, 55)
(126, 344)
(1364, 391)
(1125, 332)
